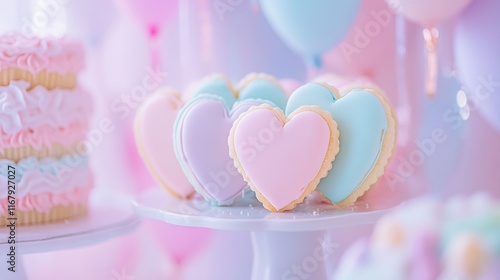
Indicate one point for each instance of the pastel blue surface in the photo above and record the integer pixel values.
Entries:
(259, 88)
(362, 123)
(311, 28)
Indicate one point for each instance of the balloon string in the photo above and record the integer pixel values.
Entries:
(154, 47)
(431, 36)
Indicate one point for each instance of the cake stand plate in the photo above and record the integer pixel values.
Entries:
(290, 245)
(109, 215)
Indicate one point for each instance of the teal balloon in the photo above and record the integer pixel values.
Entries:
(311, 27)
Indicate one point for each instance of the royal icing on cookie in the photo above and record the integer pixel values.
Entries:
(217, 85)
(253, 86)
(154, 124)
(283, 159)
(200, 138)
(367, 136)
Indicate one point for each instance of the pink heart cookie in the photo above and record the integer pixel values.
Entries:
(283, 159)
(154, 124)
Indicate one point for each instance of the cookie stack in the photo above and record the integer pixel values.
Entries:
(229, 139)
(44, 118)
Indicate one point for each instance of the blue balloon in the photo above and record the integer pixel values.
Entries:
(311, 28)
(441, 134)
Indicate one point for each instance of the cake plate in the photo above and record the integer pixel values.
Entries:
(290, 245)
(110, 215)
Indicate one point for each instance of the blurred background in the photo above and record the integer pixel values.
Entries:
(439, 69)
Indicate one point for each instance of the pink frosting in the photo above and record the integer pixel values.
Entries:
(43, 202)
(22, 109)
(34, 54)
(44, 136)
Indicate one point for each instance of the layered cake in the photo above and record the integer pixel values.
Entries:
(44, 117)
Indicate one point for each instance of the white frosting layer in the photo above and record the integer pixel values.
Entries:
(22, 109)
(48, 175)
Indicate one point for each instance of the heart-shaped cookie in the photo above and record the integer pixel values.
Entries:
(283, 159)
(200, 141)
(253, 86)
(154, 123)
(367, 127)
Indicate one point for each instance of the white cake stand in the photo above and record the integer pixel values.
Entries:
(110, 215)
(290, 245)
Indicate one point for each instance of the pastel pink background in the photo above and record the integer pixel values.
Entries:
(197, 42)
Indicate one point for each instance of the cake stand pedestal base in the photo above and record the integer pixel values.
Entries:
(292, 245)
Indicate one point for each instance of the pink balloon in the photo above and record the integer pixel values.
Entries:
(289, 85)
(151, 13)
(429, 12)
(181, 243)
